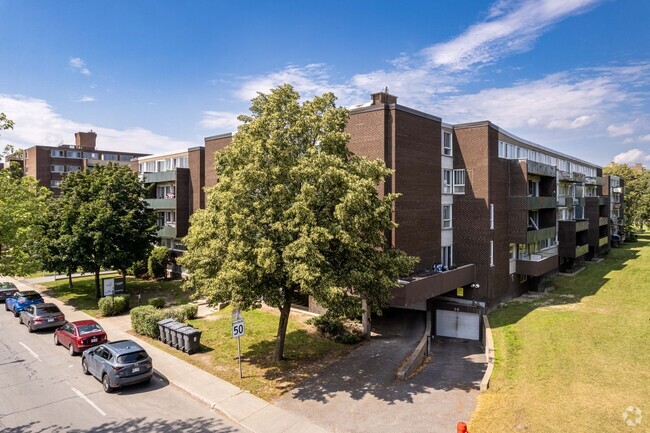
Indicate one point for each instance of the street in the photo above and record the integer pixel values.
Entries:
(42, 389)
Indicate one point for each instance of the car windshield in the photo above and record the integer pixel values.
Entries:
(48, 309)
(33, 297)
(87, 329)
(132, 357)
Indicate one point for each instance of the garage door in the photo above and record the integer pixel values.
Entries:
(457, 324)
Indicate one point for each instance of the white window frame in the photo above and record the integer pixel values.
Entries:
(447, 147)
(491, 253)
(109, 157)
(72, 168)
(57, 153)
(447, 183)
(73, 154)
(447, 222)
(459, 181)
(57, 168)
(447, 256)
(491, 216)
(55, 183)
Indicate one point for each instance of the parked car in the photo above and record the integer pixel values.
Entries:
(117, 364)
(79, 336)
(21, 300)
(42, 316)
(7, 290)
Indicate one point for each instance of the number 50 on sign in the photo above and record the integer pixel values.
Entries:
(237, 328)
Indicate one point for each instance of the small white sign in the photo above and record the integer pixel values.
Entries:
(236, 314)
(238, 328)
(109, 286)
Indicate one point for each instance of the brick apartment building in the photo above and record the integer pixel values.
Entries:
(48, 164)
(490, 215)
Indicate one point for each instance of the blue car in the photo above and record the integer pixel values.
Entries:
(21, 300)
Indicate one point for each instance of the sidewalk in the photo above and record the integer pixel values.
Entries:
(249, 411)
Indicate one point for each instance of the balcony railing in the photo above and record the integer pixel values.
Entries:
(581, 250)
(421, 288)
(539, 263)
(618, 190)
(582, 225)
(541, 234)
(162, 176)
(603, 221)
(603, 241)
(541, 203)
(602, 201)
(161, 203)
(167, 232)
(542, 169)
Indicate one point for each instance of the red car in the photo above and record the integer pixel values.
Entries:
(80, 335)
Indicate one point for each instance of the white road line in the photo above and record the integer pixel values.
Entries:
(81, 394)
(30, 350)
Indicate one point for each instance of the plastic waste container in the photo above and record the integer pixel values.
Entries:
(191, 339)
(174, 341)
(162, 325)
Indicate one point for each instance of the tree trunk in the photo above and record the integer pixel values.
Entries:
(282, 325)
(98, 293)
(70, 278)
(365, 318)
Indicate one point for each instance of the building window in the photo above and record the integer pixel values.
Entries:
(109, 157)
(533, 188)
(491, 253)
(447, 143)
(513, 251)
(91, 155)
(57, 153)
(55, 183)
(523, 278)
(533, 220)
(459, 181)
(126, 157)
(73, 154)
(72, 168)
(491, 216)
(447, 257)
(446, 216)
(447, 181)
(57, 168)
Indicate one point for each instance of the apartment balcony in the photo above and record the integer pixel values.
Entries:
(168, 231)
(541, 169)
(161, 203)
(618, 190)
(581, 250)
(162, 176)
(539, 263)
(535, 203)
(541, 234)
(425, 286)
(590, 180)
(565, 176)
(603, 221)
(602, 201)
(582, 225)
(565, 201)
(603, 241)
(616, 205)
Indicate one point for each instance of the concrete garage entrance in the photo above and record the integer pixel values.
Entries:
(457, 324)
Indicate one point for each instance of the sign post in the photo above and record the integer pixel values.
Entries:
(237, 332)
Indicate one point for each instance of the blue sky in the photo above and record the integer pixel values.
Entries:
(154, 76)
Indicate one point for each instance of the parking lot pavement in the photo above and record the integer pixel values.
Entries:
(361, 394)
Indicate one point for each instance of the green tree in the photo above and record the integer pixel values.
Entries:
(60, 250)
(637, 193)
(23, 205)
(157, 263)
(104, 213)
(294, 211)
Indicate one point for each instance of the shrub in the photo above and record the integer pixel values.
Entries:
(158, 302)
(144, 320)
(187, 311)
(139, 269)
(158, 262)
(333, 328)
(112, 306)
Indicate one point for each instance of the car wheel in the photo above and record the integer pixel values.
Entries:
(20, 319)
(29, 327)
(6, 306)
(84, 367)
(16, 313)
(106, 384)
(71, 349)
(56, 340)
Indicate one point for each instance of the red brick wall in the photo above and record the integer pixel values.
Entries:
(213, 145)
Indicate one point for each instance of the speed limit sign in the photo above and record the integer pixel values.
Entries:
(238, 328)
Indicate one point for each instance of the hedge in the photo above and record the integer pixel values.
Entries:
(144, 320)
(114, 305)
(158, 302)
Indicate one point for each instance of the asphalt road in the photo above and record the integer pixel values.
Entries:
(42, 389)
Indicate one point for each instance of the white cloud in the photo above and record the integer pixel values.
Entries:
(79, 65)
(86, 98)
(619, 130)
(220, 120)
(631, 156)
(511, 26)
(37, 123)
(644, 138)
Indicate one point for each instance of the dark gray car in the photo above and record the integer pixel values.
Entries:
(7, 290)
(42, 316)
(117, 364)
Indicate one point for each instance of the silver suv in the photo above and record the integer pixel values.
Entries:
(42, 316)
(117, 364)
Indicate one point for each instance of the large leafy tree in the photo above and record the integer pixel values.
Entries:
(637, 192)
(60, 249)
(294, 211)
(23, 205)
(103, 220)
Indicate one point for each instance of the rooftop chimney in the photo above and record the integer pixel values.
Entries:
(383, 98)
(85, 140)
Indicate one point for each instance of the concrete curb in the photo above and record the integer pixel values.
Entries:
(489, 354)
(414, 360)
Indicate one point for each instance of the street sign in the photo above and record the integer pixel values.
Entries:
(238, 328)
(109, 286)
(236, 314)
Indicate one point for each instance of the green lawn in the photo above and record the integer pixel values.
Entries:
(574, 360)
(82, 294)
(305, 350)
